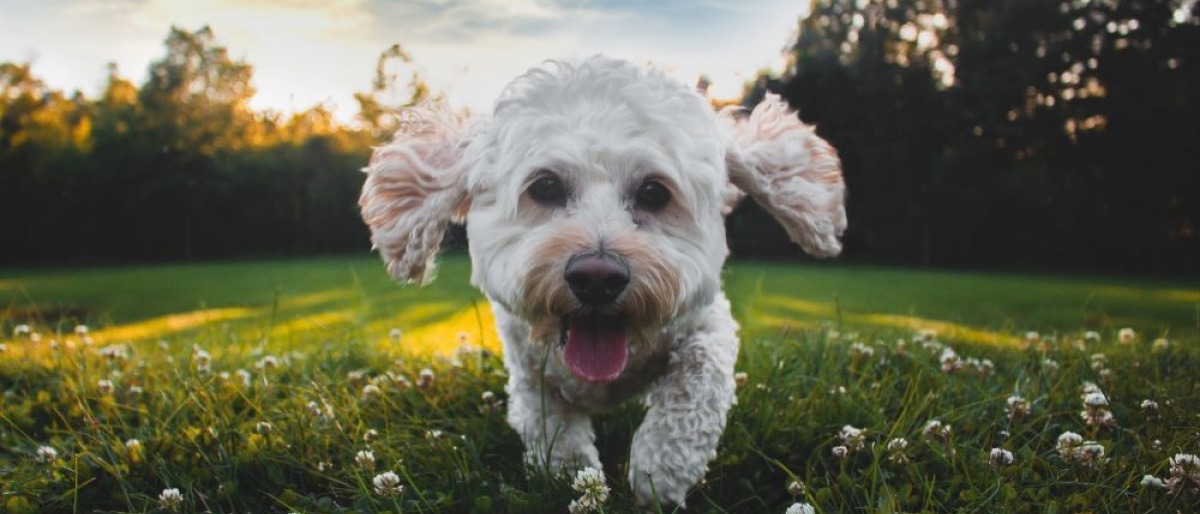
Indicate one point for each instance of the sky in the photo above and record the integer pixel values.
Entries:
(308, 52)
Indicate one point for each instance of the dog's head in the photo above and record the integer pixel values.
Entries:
(594, 200)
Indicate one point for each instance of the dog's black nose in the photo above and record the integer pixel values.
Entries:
(597, 279)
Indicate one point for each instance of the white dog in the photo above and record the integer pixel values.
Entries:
(594, 199)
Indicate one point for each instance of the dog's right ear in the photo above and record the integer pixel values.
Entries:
(416, 186)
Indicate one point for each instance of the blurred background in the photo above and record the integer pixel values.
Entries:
(1016, 134)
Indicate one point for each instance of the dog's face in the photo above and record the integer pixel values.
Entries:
(594, 200)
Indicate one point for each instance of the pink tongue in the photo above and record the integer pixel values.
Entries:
(596, 349)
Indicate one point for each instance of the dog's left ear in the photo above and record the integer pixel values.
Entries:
(796, 176)
(416, 186)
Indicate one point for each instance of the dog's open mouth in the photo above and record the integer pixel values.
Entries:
(595, 347)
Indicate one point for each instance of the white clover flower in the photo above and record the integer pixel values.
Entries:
(264, 427)
(115, 352)
(1149, 405)
(1185, 473)
(135, 390)
(1160, 344)
(926, 334)
(795, 488)
(387, 484)
(371, 391)
(267, 362)
(1051, 365)
(1095, 400)
(985, 367)
(1091, 452)
(840, 451)
(243, 376)
(395, 334)
(370, 435)
(170, 498)
(3, 347)
(1032, 337)
(896, 450)
(1068, 445)
(365, 459)
(488, 397)
(1089, 388)
(425, 378)
(21, 330)
(81, 330)
(1126, 335)
(1000, 457)
(105, 386)
(1017, 407)
(1153, 481)
(837, 390)
(45, 455)
(937, 431)
(740, 378)
(800, 508)
(591, 484)
(133, 445)
(853, 438)
(433, 435)
(1091, 335)
(858, 349)
(950, 360)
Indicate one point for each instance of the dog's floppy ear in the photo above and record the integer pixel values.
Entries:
(796, 176)
(416, 185)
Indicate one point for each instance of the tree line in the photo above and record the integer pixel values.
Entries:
(1029, 133)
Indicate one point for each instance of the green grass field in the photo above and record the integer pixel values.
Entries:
(256, 386)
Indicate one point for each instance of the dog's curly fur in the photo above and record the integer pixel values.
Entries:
(603, 127)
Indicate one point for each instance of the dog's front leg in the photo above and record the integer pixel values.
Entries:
(557, 437)
(687, 408)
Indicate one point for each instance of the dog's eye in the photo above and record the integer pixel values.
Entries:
(652, 196)
(549, 191)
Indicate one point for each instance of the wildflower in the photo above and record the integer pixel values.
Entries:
(1000, 457)
(21, 330)
(838, 390)
(985, 367)
(370, 435)
(853, 438)
(267, 362)
(926, 334)
(1185, 473)
(950, 360)
(741, 378)
(840, 451)
(1091, 335)
(3, 348)
(1153, 481)
(370, 392)
(170, 498)
(1160, 344)
(1091, 453)
(896, 448)
(591, 484)
(1095, 400)
(115, 352)
(937, 431)
(323, 412)
(1096, 411)
(365, 459)
(1068, 445)
(1149, 405)
(795, 488)
(488, 397)
(1098, 361)
(1126, 335)
(394, 334)
(433, 435)
(1032, 337)
(356, 376)
(425, 378)
(135, 390)
(800, 508)
(244, 376)
(1018, 407)
(861, 351)
(81, 330)
(133, 445)
(387, 484)
(45, 455)
(105, 386)
(264, 427)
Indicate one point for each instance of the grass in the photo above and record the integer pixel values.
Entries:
(255, 386)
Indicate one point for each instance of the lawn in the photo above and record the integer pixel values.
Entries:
(294, 385)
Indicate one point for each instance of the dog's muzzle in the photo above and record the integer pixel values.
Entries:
(594, 339)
